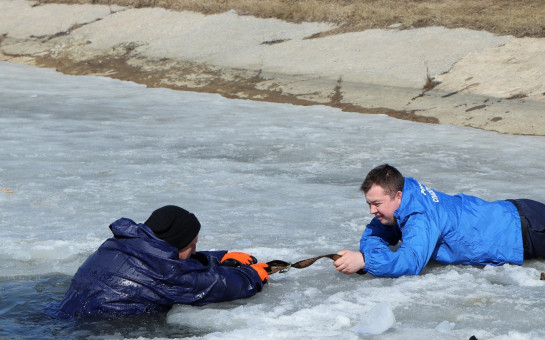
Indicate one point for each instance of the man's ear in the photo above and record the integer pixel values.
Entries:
(399, 194)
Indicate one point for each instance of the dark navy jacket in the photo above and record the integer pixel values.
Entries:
(457, 229)
(135, 272)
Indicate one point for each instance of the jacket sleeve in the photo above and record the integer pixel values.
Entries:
(202, 280)
(380, 232)
(419, 240)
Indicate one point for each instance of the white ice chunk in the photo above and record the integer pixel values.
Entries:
(341, 322)
(378, 320)
(445, 327)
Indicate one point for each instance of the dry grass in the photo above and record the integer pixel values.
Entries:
(520, 18)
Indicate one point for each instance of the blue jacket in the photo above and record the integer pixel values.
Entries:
(135, 272)
(457, 229)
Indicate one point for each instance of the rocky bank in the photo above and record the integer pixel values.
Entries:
(432, 75)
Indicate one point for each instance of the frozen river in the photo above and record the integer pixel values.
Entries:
(278, 181)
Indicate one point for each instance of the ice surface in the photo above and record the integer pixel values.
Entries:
(278, 181)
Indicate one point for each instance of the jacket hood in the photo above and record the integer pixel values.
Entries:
(410, 204)
(127, 228)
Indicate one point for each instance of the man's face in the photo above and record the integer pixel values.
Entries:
(189, 250)
(382, 205)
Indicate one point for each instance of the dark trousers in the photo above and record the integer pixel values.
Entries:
(532, 220)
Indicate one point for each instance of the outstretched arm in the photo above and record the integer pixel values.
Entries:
(202, 279)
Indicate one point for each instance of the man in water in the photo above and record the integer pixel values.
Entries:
(148, 267)
(431, 225)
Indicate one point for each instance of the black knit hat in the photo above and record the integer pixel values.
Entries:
(175, 225)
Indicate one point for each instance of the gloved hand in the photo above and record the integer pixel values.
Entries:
(261, 269)
(237, 259)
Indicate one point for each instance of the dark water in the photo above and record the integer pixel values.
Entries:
(22, 300)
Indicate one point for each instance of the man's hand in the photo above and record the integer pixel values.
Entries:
(237, 259)
(261, 269)
(349, 262)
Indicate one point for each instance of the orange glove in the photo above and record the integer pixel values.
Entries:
(261, 269)
(237, 259)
